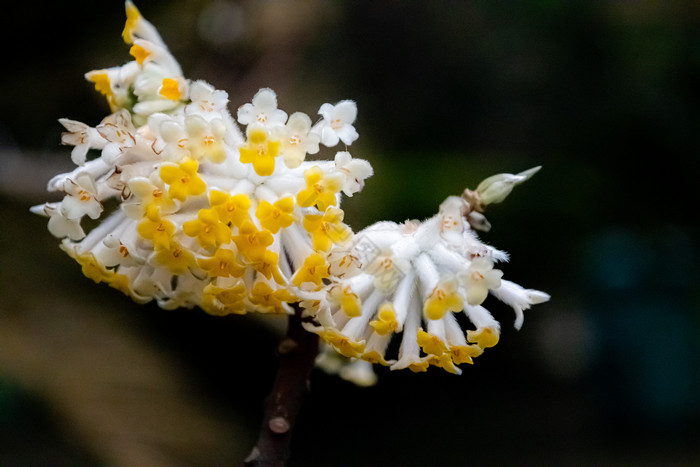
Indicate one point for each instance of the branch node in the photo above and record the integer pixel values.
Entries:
(286, 346)
(279, 425)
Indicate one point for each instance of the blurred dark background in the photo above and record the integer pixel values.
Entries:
(603, 95)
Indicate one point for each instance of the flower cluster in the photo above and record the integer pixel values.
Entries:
(208, 214)
(197, 208)
(411, 280)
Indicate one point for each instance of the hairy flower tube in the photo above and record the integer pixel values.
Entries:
(196, 208)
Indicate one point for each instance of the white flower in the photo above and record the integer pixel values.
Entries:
(206, 101)
(336, 124)
(82, 137)
(172, 133)
(518, 298)
(355, 172)
(451, 216)
(119, 131)
(81, 199)
(296, 141)
(206, 138)
(59, 225)
(479, 278)
(263, 110)
(146, 192)
(116, 253)
(190, 136)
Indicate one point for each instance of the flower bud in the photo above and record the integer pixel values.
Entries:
(496, 188)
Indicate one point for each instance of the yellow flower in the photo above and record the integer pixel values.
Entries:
(320, 190)
(251, 242)
(139, 53)
(183, 179)
(464, 353)
(119, 282)
(386, 320)
(343, 344)
(445, 362)
(314, 270)
(419, 366)
(484, 337)
(221, 301)
(156, 229)
(100, 79)
(176, 258)
(276, 216)
(269, 300)
(259, 150)
(208, 229)
(374, 356)
(91, 268)
(347, 299)
(222, 264)
(133, 18)
(445, 297)
(430, 343)
(145, 193)
(268, 266)
(327, 229)
(170, 88)
(232, 210)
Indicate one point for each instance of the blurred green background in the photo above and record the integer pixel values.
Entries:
(603, 95)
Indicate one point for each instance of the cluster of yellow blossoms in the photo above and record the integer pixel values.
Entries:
(235, 220)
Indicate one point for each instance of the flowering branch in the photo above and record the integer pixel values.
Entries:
(297, 353)
(234, 219)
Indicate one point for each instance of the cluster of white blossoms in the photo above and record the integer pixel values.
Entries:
(411, 279)
(203, 210)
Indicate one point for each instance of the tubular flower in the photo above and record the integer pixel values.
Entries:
(224, 300)
(276, 216)
(192, 207)
(156, 229)
(268, 300)
(312, 272)
(414, 278)
(262, 110)
(297, 140)
(327, 229)
(222, 264)
(208, 229)
(232, 209)
(183, 179)
(320, 189)
(260, 150)
(336, 124)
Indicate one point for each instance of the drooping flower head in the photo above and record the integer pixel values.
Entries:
(411, 282)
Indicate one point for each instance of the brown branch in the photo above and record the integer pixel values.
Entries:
(297, 353)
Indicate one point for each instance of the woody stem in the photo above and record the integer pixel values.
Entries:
(297, 354)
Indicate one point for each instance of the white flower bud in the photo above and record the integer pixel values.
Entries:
(496, 188)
